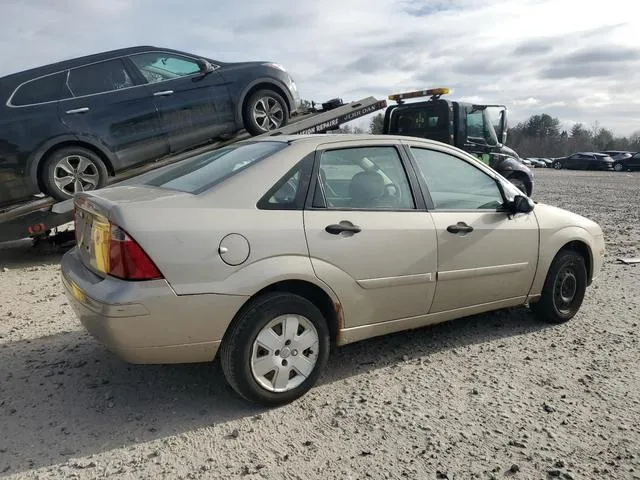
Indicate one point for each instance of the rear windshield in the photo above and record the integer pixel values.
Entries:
(203, 171)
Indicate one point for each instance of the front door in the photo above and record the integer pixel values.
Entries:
(188, 100)
(484, 255)
(368, 238)
(111, 110)
(633, 162)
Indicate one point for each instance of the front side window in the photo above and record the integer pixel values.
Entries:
(455, 184)
(363, 177)
(99, 78)
(160, 66)
(41, 90)
(203, 171)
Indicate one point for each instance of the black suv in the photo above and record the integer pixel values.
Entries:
(65, 127)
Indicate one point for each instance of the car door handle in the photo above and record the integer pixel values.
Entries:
(460, 227)
(163, 93)
(78, 110)
(343, 226)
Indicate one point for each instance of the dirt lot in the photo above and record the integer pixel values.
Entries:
(492, 396)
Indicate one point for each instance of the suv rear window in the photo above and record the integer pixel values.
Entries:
(45, 89)
(203, 171)
(99, 78)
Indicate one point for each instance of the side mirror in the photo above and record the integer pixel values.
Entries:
(521, 204)
(502, 134)
(205, 66)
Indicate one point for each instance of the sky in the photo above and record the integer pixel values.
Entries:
(574, 59)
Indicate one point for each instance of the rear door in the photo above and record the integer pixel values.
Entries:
(189, 101)
(111, 109)
(369, 239)
(485, 256)
(634, 161)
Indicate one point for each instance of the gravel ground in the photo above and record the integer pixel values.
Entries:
(491, 396)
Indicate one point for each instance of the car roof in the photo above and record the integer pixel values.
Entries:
(28, 74)
(320, 138)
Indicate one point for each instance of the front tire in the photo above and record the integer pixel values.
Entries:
(265, 110)
(519, 184)
(557, 165)
(70, 170)
(618, 167)
(275, 349)
(564, 288)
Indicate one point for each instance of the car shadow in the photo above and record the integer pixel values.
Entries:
(65, 396)
(24, 253)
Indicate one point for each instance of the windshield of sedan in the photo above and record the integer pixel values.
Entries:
(203, 171)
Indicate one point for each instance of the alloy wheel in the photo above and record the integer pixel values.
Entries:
(268, 113)
(75, 173)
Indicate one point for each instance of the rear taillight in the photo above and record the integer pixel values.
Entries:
(127, 260)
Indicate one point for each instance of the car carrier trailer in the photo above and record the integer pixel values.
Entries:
(37, 218)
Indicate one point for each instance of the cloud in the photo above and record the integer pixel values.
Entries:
(501, 51)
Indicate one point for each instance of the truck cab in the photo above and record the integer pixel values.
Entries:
(464, 125)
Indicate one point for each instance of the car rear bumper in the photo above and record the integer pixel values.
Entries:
(146, 322)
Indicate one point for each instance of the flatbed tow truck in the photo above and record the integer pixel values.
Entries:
(39, 217)
(463, 125)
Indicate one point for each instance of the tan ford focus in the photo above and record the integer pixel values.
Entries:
(268, 252)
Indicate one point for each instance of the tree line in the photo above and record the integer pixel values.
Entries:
(542, 136)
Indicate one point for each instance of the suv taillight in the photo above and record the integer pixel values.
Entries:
(127, 260)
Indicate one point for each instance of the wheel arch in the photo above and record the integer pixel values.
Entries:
(327, 303)
(260, 84)
(570, 238)
(47, 149)
(585, 251)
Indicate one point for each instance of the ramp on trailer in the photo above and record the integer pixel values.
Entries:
(37, 217)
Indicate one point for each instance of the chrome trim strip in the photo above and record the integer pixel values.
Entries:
(482, 271)
(385, 282)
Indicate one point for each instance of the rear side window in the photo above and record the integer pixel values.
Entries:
(204, 171)
(45, 89)
(99, 78)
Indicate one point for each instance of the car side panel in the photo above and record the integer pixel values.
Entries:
(553, 238)
(24, 130)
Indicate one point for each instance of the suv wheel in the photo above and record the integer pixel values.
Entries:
(563, 289)
(557, 165)
(71, 170)
(276, 349)
(264, 111)
(618, 167)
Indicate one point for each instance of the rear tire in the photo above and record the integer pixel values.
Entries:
(275, 349)
(69, 170)
(564, 288)
(264, 110)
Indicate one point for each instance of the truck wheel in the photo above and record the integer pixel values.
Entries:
(276, 349)
(520, 185)
(563, 289)
(264, 111)
(70, 170)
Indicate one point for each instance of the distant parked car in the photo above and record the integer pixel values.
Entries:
(536, 162)
(617, 154)
(584, 161)
(626, 161)
(66, 126)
